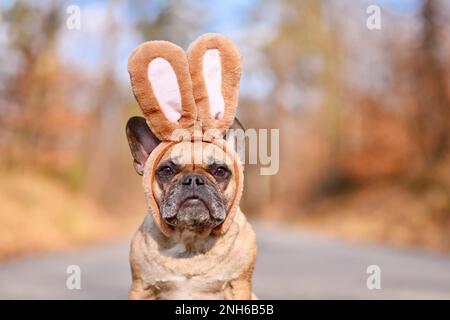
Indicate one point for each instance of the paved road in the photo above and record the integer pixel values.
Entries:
(291, 265)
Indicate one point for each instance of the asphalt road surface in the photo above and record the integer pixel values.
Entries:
(290, 265)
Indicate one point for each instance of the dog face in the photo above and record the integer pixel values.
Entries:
(194, 183)
(194, 194)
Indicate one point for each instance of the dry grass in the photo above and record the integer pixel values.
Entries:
(39, 214)
(385, 214)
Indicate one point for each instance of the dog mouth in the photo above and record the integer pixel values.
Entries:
(194, 214)
(193, 201)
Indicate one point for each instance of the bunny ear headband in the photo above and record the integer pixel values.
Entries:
(197, 92)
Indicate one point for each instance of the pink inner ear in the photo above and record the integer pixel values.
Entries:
(212, 73)
(165, 88)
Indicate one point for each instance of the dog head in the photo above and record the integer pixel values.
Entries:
(192, 179)
(194, 184)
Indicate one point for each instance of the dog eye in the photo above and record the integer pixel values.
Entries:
(221, 172)
(166, 171)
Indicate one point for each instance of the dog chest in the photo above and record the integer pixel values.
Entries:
(187, 288)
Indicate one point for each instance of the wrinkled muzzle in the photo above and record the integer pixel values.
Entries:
(193, 203)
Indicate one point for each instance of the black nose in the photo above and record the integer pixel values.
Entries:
(193, 179)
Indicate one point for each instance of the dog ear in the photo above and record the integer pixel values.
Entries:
(237, 124)
(141, 140)
(215, 68)
(235, 135)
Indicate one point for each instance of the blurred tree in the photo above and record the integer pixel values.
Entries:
(32, 32)
(305, 57)
(432, 116)
(171, 20)
(107, 109)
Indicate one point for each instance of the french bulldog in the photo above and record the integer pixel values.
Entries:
(194, 243)
(193, 199)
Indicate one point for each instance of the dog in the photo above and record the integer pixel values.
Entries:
(194, 243)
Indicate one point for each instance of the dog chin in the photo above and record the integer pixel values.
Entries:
(193, 214)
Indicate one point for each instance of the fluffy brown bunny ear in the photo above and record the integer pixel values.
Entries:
(215, 67)
(161, 83)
